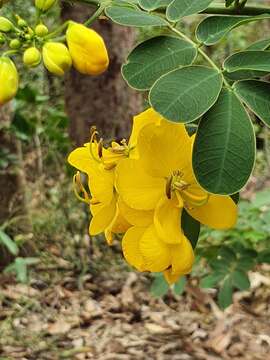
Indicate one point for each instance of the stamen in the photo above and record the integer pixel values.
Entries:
(79, 188)
(93, 139)
(169, 187)
(100, 148)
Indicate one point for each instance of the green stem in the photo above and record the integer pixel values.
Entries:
(96, 15)
(57, 31)
(200, 51)
(247, 10)
(10, 52)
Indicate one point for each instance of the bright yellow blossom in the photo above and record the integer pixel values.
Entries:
(161, 180)
(9, 80)
(99, 163)
(87, 49)
(56, 58)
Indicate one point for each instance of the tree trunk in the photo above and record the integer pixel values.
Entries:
(105, 101)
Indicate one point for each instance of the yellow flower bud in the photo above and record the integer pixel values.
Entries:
(56, 58)
(87, 49)
(32, 57)
(9, 80)
(22, 23)
(41, 30)
(5, 24)
(44, 5)
(15, 44)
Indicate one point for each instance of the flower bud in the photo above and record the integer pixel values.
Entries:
(9, 80)
(87, 49)
(22, 23)
(44, 5)
(15, 44)
(5, 24)
(41, 30)
(56, 58)
(32, 57)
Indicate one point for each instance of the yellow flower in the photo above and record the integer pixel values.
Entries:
(44, 5)
(56, 58)
(99, 164)
(87, 49)
(162, 179)
(9, 80)
(31, 57)
(146, 251)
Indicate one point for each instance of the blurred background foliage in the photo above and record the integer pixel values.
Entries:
(38, 129)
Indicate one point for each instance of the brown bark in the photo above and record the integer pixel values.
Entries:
(105, 101)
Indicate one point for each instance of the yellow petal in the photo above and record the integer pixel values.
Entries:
(130, 246)
(155, 252)
(81, 159)
(119, 225)
(87, 49)
(220, 212)
(170, 277)
(182, 261)
(137, 189)
(135, 217)
(102, 217)
(163, 148)
(194, 195)
(147, 117)
(167, 220)
(182, 257)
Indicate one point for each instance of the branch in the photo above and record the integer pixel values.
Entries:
(248, 10)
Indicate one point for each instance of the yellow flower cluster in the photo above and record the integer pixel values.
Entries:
(85, 50)
(139, 189)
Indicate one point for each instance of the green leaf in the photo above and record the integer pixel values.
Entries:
(227, 253)
(245, 263)
(132, 17)
(224, 148)
(180, 8)
(264, 257)
(8, 243)
(214, 28)
(211, 280)
(191, 228)
(244, 74)
(256, 95)
(225, 294)
(154, 58)
(159, 286)
(259, 45)
(183, 95)
(179, 286)
(220, 265)
(248, 60)
(151, 5)
(240, 280)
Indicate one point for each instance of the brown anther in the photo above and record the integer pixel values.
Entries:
(100, 148)
(169, 187)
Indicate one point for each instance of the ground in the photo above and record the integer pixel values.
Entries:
(112, 315)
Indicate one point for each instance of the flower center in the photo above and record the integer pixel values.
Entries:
(175, 183)
(191, 194)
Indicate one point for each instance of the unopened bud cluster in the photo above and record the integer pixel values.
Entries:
(78, 46)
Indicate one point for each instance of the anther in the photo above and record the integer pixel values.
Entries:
(169, 187)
